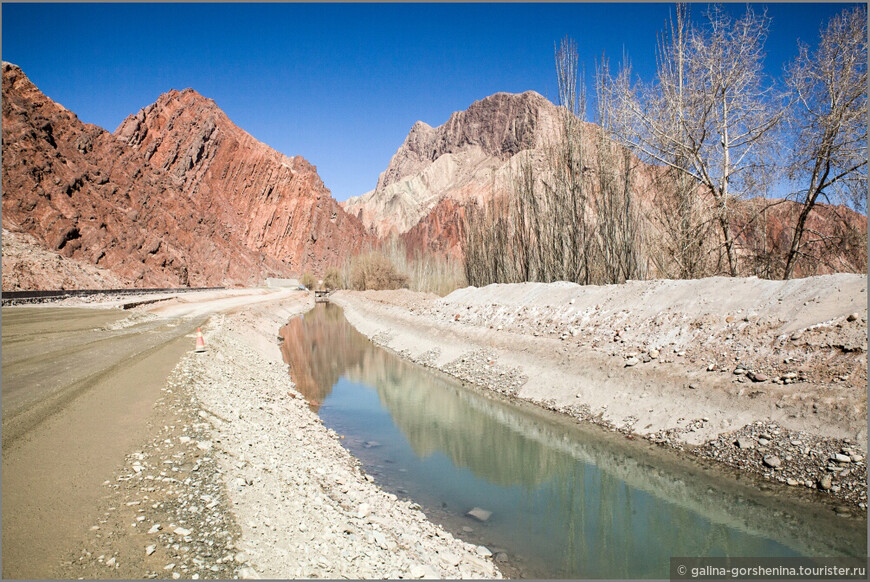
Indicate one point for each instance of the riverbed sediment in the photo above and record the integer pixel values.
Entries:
(765, 377)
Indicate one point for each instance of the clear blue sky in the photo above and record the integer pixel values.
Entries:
(340, 85)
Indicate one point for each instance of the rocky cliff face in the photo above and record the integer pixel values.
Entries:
(273, 204)
(440, 232)
(461, 160)
(179, 196)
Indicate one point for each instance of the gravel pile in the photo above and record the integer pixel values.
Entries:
(479, 367)
(818, 354)
(796, 459)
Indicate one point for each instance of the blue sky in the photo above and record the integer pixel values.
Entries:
(340, 85)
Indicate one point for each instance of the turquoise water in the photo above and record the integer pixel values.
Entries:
(566, 501)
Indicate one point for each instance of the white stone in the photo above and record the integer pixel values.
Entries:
(380, 539)
(450, 559)
(181, 531)
(417, 571)
(479, 514)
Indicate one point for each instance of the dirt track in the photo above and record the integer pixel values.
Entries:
(79, 385)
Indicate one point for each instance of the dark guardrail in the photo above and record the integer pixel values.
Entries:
(16, 297)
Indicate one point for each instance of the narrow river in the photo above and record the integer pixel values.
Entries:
(559, 500)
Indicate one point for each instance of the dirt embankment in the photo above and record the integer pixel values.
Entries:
(768, 377)
(242, 480)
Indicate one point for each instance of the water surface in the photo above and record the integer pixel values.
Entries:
(566, 501)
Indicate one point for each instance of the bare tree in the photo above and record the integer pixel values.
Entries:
(830, 86)
(619, 227)
(710, 113)
(569, 212)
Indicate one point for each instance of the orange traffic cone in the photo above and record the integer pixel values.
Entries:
(200, 342)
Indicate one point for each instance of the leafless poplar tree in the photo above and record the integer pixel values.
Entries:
(619, 226)
(709, 114)
(830, 87)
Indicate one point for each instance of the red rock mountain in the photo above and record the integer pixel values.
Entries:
(179, 195)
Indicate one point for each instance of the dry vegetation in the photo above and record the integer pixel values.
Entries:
(389, 266)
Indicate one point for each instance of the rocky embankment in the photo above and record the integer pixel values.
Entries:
(242, 480)
(766, 377)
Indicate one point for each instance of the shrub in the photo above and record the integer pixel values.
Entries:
(375, 271)
(308, 280)
(332, 278)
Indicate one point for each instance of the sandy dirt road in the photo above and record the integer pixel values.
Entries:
(78, 387)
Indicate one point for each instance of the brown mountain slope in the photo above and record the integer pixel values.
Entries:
(28, 265)
(88, 195)
(273, 204)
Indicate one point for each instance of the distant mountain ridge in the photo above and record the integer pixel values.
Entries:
(178, 195)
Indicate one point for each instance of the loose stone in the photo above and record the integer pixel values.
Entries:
(745, 443)
(479, 514)
(772, 461)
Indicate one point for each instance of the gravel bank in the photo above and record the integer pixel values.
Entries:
(244, 481)
(766, 377)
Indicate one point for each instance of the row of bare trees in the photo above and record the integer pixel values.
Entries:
(569, 214)
(711, 130)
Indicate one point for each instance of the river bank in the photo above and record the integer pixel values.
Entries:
(766, 377)
(240, 479)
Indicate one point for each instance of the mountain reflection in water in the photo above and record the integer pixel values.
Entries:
(573, 502)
